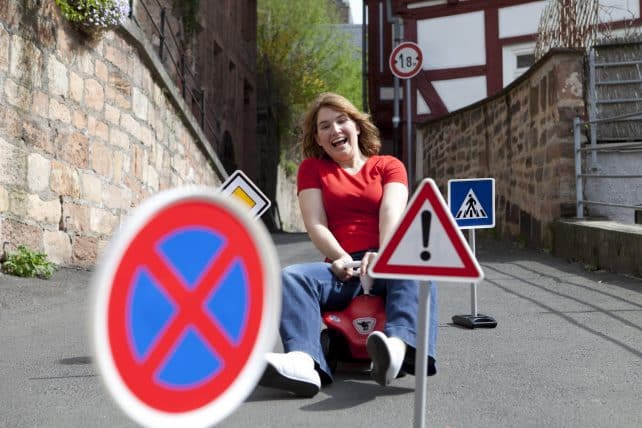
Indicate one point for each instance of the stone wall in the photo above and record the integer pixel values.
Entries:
(522, 137)
(88, 129)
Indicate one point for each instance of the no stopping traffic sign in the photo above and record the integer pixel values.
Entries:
(187, 301)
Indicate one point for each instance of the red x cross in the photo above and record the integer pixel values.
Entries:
(190, 306)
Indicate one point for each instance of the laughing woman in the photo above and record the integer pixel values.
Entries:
(351, 198)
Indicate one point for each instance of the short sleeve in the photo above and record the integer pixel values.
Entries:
(394, 171)
(308, 176)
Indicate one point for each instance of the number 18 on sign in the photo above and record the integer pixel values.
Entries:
(406, 60)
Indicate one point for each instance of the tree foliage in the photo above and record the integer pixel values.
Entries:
(301, 53)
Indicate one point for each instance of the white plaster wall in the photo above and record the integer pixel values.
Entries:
(614, 10)
(458, 93)
(520, 20)
(452, 41)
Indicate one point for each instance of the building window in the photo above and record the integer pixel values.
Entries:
(525, 60)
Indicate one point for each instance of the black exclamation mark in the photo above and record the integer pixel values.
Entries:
(425, 229)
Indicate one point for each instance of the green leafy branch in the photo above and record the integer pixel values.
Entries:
(29, 264)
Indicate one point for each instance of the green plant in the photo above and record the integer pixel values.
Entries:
(290, 168)
(95, 14)
(27, 263)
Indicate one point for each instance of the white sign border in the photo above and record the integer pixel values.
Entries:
(485, 226)
(239, 176)
(249, 376)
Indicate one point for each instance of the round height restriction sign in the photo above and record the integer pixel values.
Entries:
(406, 60)
(187, 301)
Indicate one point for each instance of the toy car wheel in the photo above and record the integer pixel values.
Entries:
(330, 344)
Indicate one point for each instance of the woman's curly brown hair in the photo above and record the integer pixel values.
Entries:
(369, 142)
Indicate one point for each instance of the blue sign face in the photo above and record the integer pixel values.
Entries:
(472, 202)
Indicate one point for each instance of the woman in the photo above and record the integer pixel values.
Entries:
(351, 199)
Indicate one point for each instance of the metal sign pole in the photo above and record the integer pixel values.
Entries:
(409, 145)
(473, 286)
(421, 361)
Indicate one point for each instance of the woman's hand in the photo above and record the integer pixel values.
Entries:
(368, 258)
(340, 270)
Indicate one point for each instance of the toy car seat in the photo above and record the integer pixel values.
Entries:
(346, 332)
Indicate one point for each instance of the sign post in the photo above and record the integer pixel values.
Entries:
(405, 61)
(186, 303)
(472, 204)
(427, 245)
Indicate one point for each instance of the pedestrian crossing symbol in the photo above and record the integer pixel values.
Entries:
(472, 202)
(470, 207)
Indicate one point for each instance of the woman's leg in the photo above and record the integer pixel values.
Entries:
(309, 289)
(401, 316)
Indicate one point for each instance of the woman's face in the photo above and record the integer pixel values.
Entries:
(337, 134)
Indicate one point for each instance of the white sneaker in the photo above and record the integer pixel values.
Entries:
(293, 372)
(387, 357)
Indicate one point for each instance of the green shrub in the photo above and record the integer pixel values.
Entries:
(95, 13)
(27, 263)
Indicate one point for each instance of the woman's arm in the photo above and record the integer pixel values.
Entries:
(393, 204)
(316, 223)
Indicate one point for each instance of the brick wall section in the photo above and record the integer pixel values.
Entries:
(87, 131)
(522, 137)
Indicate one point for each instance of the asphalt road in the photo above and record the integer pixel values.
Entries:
(567, 352)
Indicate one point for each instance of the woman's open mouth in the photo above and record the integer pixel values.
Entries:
(338, 142)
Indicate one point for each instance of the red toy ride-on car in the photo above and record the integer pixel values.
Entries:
(346, 332)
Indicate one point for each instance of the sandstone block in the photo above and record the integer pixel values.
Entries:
(119, 139)
(101, 159)
(25, 62)
(64, 180)
(40, 104)
(94, 95)
(76, 87)
(47, 212)
(57, 246)
(38, 172)
(101, 71)
(97, 128)
(4, 200)
(130, 125)
(115, 197)
(102, 221)
(57, 77)
(139, 104)
(59, 111)
(79, 119)
(151, 178)
(36, 134)
(4, 50)
(19, 233)
(74, 148)
(17, 95)
(112, 114)
(12, 164)
(91, 187)
(75, 218)
(84, 251)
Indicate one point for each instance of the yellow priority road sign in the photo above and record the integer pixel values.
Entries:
(241, 188)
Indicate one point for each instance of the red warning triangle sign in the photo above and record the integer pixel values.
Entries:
(427, 244)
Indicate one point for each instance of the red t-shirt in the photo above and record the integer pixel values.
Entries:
(352, 201)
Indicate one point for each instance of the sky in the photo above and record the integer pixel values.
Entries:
(355, 10)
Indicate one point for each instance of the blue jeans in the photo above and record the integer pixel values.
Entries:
(311, 288)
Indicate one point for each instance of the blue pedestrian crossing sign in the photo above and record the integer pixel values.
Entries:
(472, 202)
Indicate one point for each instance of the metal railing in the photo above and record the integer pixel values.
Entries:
(593, 148)
(172, 55)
